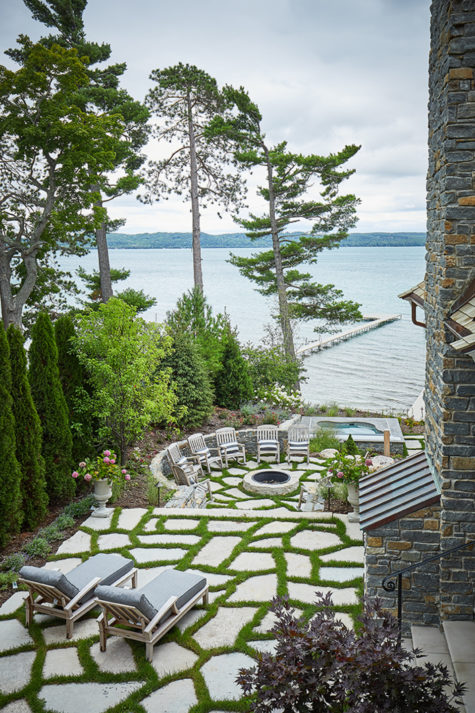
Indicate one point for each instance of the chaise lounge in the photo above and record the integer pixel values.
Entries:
(148, 613)
(70, 596)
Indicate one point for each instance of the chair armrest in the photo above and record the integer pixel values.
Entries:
(92, 585)
(161, 612)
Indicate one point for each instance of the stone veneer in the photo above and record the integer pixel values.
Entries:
(450, 377)
(399, 544)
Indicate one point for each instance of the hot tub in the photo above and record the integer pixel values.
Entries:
(366, 432)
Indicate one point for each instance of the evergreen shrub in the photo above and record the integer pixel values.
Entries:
(28, 435)
(52, 409)
(233, 385)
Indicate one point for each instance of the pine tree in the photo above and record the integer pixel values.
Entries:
(233, 384)
(52, 409)
(77, 391)
(191, 380)
(28, 436)
(10, 474)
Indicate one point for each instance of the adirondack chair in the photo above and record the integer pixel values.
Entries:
(268, 442)
(184, 477)
(148, 613)
(201, 454)
(298, 443)
(176, 458)
(228, 447)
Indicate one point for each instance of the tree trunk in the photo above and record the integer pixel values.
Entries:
(12, 305)
(195, 206)
(103, 256)
(287, 335)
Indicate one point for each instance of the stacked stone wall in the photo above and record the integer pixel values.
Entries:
(399, 544)
(450, 377)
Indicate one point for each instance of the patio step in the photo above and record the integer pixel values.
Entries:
(453, 646)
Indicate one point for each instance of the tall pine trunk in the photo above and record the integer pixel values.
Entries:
(195, 206)
(103, 257)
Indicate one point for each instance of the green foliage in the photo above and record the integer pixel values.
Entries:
(7, 579)
(10, 473)
(76, 389)
(135, 298)
(79, 508)
(324, 438)
(233, 384)
(350, 447)
(190, 380)
(332, 410)
(13, 562)
(269, 366)
(121, 354)
(39, 547)
(28, 436)
(52, 409)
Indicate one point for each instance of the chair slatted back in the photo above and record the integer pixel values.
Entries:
(47, 592)
(197, 443)
(174, 453)
(267, 433)
(226, 435)
(299, 434)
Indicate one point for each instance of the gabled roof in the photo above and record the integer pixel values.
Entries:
(415, 294)
(461, 321)
(395, 491)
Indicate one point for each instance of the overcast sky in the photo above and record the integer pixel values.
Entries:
(324, 73)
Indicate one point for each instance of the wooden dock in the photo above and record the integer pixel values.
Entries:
(370, 322)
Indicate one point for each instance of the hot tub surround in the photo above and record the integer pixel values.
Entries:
(368, 433)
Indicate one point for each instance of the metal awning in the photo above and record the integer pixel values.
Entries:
(395, 491)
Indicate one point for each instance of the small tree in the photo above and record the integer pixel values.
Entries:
(134, 298)
(52, 409)
(28, 436)
(77, 391)
(190, 380)
(10, 474)
(121, 354)
(233, 383)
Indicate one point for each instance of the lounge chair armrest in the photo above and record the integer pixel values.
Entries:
(85, 590)
(161, 612)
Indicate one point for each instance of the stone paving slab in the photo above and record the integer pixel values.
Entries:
(117, 658)
(83, 629)
(190, 618)
(236, 493)
(232, 481)
(65, 565)
(314, 540)
(169, 539)
(228, 526)
(98, 523)
(72, 697)
(254, 504)
(216, 550)
(270, 619)
(306, 593)
(13, 603)
(130, 518)
(264, 646)
(146, 574)
(349, 554)
(298, 565)
(15, 671)
(252, 561)
(238, 471)
(176, 697)
(222, 629)
(13, 634)
(183, 524)
(340, 574)
(62, 662)
(113, 541)
(273, 528)
(20, 706)
(151, 525)
(220, 676)
(266, 543)
(215, 486)
(214, 579)
(157, 554)
(79, 542)
(172, 658)
(256, 589)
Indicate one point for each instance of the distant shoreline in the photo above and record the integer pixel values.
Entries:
(182, 241)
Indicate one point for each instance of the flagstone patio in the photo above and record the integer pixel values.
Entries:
(249, 555)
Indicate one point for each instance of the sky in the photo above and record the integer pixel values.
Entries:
(324, 73)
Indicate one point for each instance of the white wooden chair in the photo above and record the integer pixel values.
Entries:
(201, 454)
(298, 443)
(268, 442)
(176, 458)
(184, 477)
(70, 596)
(228, 446)
(148, 613)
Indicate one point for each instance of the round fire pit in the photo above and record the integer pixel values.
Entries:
(270, 482)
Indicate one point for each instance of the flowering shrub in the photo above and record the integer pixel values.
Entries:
(347, 468)
(278, 396)
(104, 467)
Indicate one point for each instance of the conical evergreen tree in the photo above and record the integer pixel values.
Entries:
(233, 385)
(52, 410)
(76, 391)
(28, 436)
(10, 474)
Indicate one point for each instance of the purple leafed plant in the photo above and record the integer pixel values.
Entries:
(321, 666)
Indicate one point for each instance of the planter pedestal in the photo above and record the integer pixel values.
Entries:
(102, 493)
(354, 500)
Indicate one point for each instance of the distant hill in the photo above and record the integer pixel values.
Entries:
(239, 240)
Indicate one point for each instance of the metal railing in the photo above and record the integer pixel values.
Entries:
(389, 582)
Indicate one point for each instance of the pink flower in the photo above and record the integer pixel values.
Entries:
(106, 460)
(107, 453)
(124, 471)
(88, 477)
(112, 461)
(339, 474)
(127, 476)
(368, 461)
(75, 474)
(82, 464)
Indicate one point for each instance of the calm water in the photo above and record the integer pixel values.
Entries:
(383, 369)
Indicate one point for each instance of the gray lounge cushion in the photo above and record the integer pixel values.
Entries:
(51, 577)
(150, 598)
(109, 567)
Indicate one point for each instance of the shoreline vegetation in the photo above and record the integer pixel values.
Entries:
(240, 240)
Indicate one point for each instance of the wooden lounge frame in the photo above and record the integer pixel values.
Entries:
(130, 623)
(50, 600)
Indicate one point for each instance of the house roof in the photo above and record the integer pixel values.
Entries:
(395, 491)
(461, 321)
(415, 294)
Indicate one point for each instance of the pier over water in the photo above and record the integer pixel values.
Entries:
(369, 322)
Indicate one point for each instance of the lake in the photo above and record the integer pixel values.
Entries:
(382, 369)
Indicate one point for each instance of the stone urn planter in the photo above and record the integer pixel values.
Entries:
(354, 500)
(102, 493)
